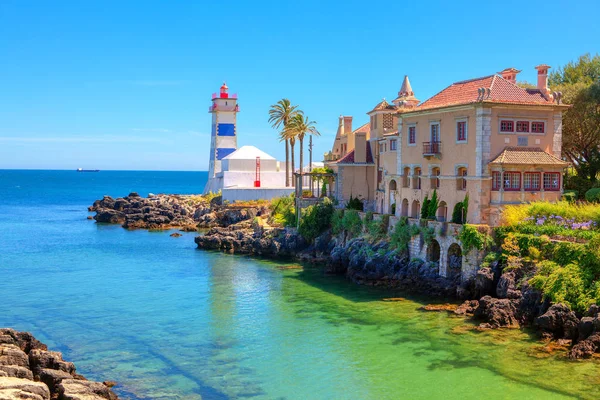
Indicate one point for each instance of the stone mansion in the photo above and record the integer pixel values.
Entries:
(486, 137)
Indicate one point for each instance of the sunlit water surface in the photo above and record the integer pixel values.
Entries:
(168, 321)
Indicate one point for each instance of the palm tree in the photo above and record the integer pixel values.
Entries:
(298, 127)
(280, 114)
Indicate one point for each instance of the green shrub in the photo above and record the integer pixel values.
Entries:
(563, 285)
(283, 210)
(393, 209)
(355, 204)
(472, 238)
(433, 205)
(425, 208)
(403, 232)
(570, 196)
(316, 220)
(351, 223)
(459, 214)
(376, 229)
(593, 195)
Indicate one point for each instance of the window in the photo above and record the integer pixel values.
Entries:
(435, 178)
(435, 133)
(406, 180)
(412, 135)
(522, 126)
(461, 181)
(507, 126)
(496, 180)
(393, 145)
(531, 181)
(461, 131)
(552, 181)
(522, 141)
(537, 127)
(381, 148)
(512, 181)
(417, 178)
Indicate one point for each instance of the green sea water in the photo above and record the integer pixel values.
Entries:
(168, 321)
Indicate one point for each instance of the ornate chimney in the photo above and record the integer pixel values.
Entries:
(510, 74)
(542, 80)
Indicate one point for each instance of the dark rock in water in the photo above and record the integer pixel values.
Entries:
(110, 216)
(175, 234)
(498, 312)
(484, 282)
(29, 371)
(586, 348)
(467, 308)
(560, 321)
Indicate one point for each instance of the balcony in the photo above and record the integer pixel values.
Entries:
(432, 149)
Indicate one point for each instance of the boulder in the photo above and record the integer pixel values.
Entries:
(17, 371)
(507, 288)
(109, 216)
(586, 348)
(18, 388)
(559, 321)
(52, 378)
(498, 312)
(42, 359)
(484, 282)
(73, 389)
(467, 308)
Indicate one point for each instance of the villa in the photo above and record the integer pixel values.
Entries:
(485, 137)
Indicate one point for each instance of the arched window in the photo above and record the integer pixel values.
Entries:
(417, 178)
(435, 178)
(415, 211)
(442, 212)
(404, 210)
(406, 177)
(461, 179)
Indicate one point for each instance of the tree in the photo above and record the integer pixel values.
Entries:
(579, 82)
(298, 127)
(280, 115)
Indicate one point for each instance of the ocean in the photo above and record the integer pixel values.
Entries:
(168, 321)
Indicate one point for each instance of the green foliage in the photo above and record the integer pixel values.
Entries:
(336, 222)
(324, 189)
(428, 234)
(471, 238)
(489, 259)
(570, 196)
(403, 232)
(351, 224)
(376, 228)
(433, 205)
(316, 220)
(459, 214)
(425, 208)
(563, 284)
(593, 195)
(283, 211)
(355, 204)
(212, 195)
(393, 211)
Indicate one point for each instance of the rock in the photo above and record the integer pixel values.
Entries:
(498, 312)
(585, 328)
(10, 354)
(52, 378)
(175, 234)
(109, 216)
(484, 282)
(560, 321)
(506, 288)
(133, 194)
(586, 348)
(593, 311)
(467, 308)
(72, 389)
(440, 307)
(18, 388)
(17, 371)
(41, 359)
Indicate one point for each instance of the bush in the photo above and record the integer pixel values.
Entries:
(570, 196)
(403, 232)
(593, 195)
(432, 205)
(316, 220)
(351, 223)
(355, 204)
(393, 212)
(471, 238)
(425, 208)
(459, 214)
(376, 229)
(283, 210)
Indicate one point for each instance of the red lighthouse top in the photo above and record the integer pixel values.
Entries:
(224, 89)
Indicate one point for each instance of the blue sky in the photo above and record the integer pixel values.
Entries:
(127, 84)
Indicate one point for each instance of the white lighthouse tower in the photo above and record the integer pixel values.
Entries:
(223, 137)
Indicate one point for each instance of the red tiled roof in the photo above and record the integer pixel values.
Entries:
(363, 128)
(383, 106)
(527, 156)
(497, 90)
(349, 158)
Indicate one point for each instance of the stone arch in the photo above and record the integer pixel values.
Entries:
(391, 200)
(415, 210)
(442, 212)
(404, 209)
(406, 177)
(434, 251)
(417, 178)
(454, 261)
(393, 185)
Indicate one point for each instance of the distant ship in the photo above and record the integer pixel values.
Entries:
(87, 170)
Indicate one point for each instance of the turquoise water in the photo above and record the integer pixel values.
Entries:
(168, 321)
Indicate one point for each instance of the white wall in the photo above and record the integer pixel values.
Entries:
(249, 165)
(246, 179)
(246, 194)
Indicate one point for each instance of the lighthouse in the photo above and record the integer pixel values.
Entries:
(223, 136)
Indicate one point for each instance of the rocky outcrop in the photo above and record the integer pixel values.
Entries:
(185, 212)
(29, 371)
(497, 313)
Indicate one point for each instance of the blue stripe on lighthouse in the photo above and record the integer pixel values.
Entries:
(224, 153)
(226, 130)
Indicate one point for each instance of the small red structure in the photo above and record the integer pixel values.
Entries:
(257, 178)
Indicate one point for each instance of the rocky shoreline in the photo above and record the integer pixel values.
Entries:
(28, 370)
(492, 298)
